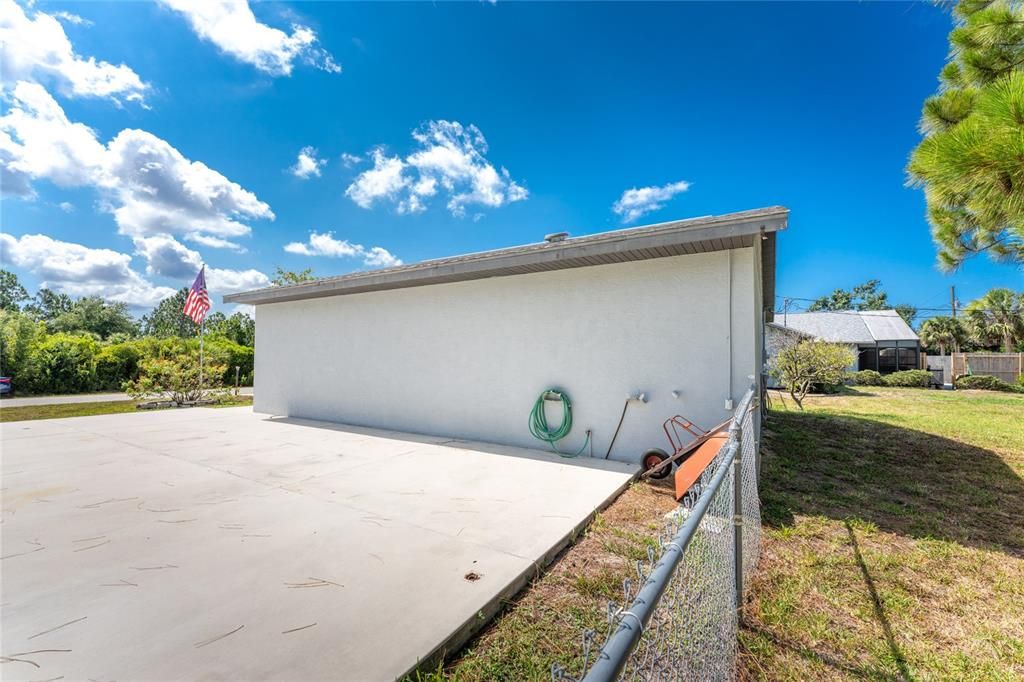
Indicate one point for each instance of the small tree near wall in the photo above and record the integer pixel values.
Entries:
(809, 363)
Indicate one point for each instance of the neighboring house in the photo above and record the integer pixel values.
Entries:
(776, 338)
(881, 339)
(462, 347)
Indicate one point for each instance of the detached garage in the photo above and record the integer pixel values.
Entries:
(632, 326)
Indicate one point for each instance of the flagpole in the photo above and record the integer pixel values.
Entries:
(202, 328)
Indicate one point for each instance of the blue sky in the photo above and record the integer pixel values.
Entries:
(529, 118)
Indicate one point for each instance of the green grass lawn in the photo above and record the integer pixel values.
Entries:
(28, 412)
(893, 539)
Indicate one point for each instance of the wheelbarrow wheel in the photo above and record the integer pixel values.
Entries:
(653, 458)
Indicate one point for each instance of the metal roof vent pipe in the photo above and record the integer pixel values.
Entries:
(556, 237)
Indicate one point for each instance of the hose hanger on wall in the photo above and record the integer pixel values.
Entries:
(540, 429)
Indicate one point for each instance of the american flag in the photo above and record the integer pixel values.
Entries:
(198, 302)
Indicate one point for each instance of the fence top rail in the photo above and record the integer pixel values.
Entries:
(741, 410)
(621, 642)
(989, 354)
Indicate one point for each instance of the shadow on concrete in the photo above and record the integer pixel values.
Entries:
(538, 454)
(904, 481)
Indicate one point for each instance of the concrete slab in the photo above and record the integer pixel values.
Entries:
(216, 544)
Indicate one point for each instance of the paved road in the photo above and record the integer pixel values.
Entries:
(80, 398)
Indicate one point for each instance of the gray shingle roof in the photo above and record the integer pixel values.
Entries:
(887, 325)
(696, 235)
(850, 326)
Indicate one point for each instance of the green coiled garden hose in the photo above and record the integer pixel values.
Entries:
(539, 422)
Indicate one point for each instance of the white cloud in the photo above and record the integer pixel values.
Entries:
(79, 270)
(221, 281)
(325, 244)
(243, 308)
(13, 183)
(350, 160)
(66, 206)
(38, 141)
(449, 157)
(638, 201)
(307, 165)
(71, 18)
(160, 191)
(377, 255)
(37, 48)
(384, 180)
(153, 191)
(167, 257)
(148, 185)
(216, 242)
(234, 29)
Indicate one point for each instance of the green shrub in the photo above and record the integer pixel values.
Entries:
(1020, 380)
(20, 336)
(67, 363)
(231, 355)
(40, 362)
(116, 364)
(217, 351)
(867, 377)
(177, 378)
(986, 383)
(911, 378)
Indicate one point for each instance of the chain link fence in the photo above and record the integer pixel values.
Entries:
(682, 615)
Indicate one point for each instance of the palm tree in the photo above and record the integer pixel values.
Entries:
(996, 317)
(943, 332)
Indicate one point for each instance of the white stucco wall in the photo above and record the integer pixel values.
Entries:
(468, 359)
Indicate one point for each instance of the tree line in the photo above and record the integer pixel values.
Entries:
(53, 343)
(993, 322)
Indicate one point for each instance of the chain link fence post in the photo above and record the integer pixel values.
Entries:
(737, 522)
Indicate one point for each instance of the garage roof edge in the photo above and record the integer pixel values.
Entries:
(695, 235)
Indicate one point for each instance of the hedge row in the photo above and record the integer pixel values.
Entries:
(40, 362)
(911, 378)
(987, 383)
(866, 377)
(919, 378)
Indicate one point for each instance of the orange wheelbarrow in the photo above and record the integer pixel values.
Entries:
(658, 464)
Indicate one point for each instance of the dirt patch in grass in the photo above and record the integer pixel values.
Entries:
(545, 623)
(893, 546)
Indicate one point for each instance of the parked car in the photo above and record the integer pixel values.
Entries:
(5, 385)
